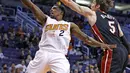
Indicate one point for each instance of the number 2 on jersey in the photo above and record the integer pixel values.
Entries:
(61, 33)
(112, 27)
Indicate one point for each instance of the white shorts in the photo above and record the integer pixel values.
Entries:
(45, 61)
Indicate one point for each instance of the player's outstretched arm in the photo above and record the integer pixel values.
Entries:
(85, 11)
(40, 16)
(89, 40)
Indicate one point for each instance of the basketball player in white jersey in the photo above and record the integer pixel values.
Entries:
(55, 40)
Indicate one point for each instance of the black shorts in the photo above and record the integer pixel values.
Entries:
(115, 61)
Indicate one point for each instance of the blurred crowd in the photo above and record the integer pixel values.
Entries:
(16, 38)
(18, 47)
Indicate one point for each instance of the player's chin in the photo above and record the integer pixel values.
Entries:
(52, 16)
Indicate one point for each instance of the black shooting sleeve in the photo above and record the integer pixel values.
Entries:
(125, 43)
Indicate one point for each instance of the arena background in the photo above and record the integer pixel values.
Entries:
(20, 35)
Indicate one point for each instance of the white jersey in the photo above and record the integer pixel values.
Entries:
(55, 36)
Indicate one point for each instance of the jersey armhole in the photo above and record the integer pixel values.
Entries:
(47, 20)
(95, 20)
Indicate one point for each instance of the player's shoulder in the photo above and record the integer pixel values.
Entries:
(112, 16)
(50, 18)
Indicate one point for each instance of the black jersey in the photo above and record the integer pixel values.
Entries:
(108, 28)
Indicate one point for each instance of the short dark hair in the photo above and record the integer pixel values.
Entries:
(104, 4)
(62, 8)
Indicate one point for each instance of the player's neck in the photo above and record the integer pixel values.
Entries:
(59, 18)
(102, 11)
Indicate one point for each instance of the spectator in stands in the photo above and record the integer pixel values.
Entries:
(31, 46)
(71, 71)
(10, 29)
(31, 37)
(1, 9)
(24, 66)
(5, 37)
(35, 40)
(1, 54)
(29, 58)
(2, 28)
(91, 68)
(12, 68)
(5, 43)
(72, 51)
(79, 21)
(19, 68)
(0, 39)
(22, 56)
(25, 42)
(78, 52)
(75, 65)
(96, 70)
(86, 60)
(4, 68)
(20, 32)
(125, 71)
(87, 69)
(20, 36)
(20, 43)
(5, 40)
(32, 50)
(85, 57)
(76, 71)
(80, 68)
(11, 33)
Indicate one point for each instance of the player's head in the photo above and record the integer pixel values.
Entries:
(102, 5)
(57, 11)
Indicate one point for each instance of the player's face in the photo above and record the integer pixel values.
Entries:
(93, 5)
(55, 11)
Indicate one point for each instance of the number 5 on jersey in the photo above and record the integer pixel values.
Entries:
(112, 27)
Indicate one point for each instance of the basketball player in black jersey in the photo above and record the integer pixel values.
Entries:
(107, 30)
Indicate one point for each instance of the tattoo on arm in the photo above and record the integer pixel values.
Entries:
(79, 34)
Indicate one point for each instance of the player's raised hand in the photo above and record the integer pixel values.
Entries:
(64, 0)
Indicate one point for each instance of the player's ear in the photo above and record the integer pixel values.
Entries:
(97, 6)
(62, 13)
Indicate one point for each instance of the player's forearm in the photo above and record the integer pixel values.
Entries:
(27, 3)
(40, 16)
(71, 4)
(78, 33)
(92, 42)
(30, 5)
(85, 11)
(89, 40)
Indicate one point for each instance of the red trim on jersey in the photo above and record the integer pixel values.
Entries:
(102, 11)
(107, 58)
